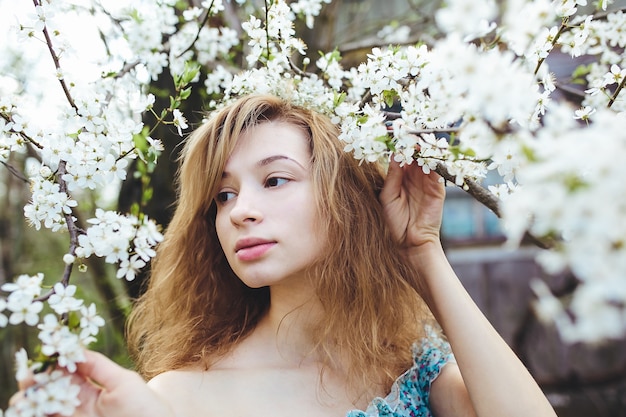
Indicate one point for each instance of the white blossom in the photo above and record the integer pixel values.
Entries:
(465, 18)
(90, 322)
(62, 300)
(48, 205)
(179, 121)
(130, 267)
(462, 103)
(22, 368)
(23, 309)
(26, 284)
(309, 8)
(584, 113)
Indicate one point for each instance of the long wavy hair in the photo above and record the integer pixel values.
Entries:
(195, 309)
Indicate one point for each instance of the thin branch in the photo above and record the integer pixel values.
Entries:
(69, 219)
(127, 68)
(556, 38)
(22, 134)
(476, 190)
(44, 297)
(365, 99)
(486, 198)
(204, 22)
(71, 225)
(570, 90)
(267, 29)
(616, 93)
(435, 131)
(17, 174)
(605, 14)
(297, 70)
(57, 64)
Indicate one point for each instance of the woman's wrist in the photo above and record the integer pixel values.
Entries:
(424, 255)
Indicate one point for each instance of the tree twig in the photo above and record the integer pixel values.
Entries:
(57, 64)
(15, 172)
(616, 93)
(71, 226)
(476, 190)
(486, 198)
(22, 134)
(204, 21)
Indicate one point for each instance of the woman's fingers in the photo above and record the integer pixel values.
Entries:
(15, 398)
(101, 370)
(26, 382)
(393, 182)
(22, 385)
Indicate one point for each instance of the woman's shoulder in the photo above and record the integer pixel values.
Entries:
(430, 354)
(191, 391)
(175, 382)
(410, 393)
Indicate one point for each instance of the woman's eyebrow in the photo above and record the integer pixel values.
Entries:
(270, 159)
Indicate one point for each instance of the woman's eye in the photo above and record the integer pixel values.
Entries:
(275, 182)
(224, 196)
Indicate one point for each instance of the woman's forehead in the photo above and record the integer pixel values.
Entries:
(270, 141)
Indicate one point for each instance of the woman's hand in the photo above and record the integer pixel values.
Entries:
(108, 390)
(413, 205)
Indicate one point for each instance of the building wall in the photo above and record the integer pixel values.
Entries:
(580, 380)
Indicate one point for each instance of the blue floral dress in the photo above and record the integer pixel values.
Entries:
(409, 396)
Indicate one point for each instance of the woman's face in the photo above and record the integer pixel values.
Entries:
(267, 221)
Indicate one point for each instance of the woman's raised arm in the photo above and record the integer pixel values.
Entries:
(497, 382)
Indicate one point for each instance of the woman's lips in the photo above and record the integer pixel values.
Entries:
(250, 249)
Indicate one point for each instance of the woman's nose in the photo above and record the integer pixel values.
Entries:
(246, 209)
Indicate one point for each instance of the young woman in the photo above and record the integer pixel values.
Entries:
(294, 280)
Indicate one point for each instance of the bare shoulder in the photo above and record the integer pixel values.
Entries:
(448, 394)
(187, 391)
(172, 380)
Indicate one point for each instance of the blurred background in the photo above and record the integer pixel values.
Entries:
(580, 380)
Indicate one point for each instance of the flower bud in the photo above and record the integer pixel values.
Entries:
(45, 171)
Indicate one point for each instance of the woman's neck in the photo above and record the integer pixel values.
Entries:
(289, 321)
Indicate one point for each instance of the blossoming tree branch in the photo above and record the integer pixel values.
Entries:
(479, 97)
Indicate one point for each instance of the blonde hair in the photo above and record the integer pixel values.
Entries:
(195, 309)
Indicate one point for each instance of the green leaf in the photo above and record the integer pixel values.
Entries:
(173, 103)
(184, 95)
(191, 71)
(529, 153)
(338, 98)
(574, 183)
(581, 71)
(73, 321)
(389, 96)
(335, 55)
(139, 139)
(147, 194)
(135, 209)
(134, 14)
(469, 152)
(362, 119)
